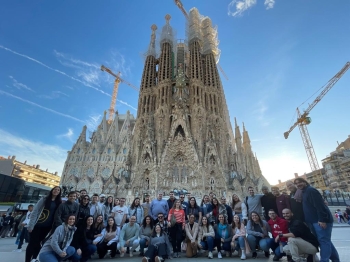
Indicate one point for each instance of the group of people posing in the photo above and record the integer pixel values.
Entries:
(300, 225)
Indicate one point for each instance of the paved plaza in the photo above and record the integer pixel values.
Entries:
(341, 239)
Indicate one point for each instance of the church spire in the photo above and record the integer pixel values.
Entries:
(166, 59)
(149, 75)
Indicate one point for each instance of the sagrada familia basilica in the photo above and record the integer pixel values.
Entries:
(182, 137)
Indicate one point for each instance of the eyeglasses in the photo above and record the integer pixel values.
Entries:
(160, 217)
(182, 197)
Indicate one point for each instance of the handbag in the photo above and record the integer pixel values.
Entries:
(183, 246)
(172, 220)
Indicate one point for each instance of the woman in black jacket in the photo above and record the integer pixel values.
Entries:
(41, 221)
(83, 241)
(84, 210)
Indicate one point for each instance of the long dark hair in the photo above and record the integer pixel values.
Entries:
(260, 220)
(99, 226)
(110, 204)
(207, 226)
(195, 203)
(203, 199)
(239, 222)
(58, 199)
(84, 226)
(154, 233)
(217, 200)
(133, 203)
(144, 224)
(114, 227)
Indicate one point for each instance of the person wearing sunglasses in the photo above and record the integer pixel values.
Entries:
(163, 223)
(84, 210)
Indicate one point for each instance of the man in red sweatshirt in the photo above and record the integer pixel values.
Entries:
(278, 226)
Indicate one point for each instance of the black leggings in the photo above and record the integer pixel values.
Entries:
(176, 237)
(35, 237)
(102, 249)
(153, 251)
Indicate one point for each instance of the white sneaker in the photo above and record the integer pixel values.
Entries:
(243, 256)
(17, 250)
(130, 253)
(210, 254)
(219, 255)
(122, 254)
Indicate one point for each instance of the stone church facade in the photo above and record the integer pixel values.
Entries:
(182, 137)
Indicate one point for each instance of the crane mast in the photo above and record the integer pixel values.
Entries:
(303, 120)
(117, 81)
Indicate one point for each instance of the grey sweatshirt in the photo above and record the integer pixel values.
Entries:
(129, 233)
(52, 244)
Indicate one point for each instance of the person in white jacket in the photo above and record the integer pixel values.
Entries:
(108, 239)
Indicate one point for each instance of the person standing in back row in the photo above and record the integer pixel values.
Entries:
(282, 201)
(41, 220)
(268, 202)
(318, 215)
(120, 213)
(253, 202)
(158, 205)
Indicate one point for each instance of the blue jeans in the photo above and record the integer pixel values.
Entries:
(143, 244)
(264, 243)
(226, 246)
(52, 256)
(276, 247)
(86, 253)
(328, 251)
(208, 244)
(240, 243)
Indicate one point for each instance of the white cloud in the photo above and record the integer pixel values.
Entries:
(53, 95)
(35, 152)
(75, 61)
(19, 85)
(93, 121)
(55, 70)
(117, 66)
(91, 76)
(69, 135)
(238, 7)
(269, 4)
(40, 106)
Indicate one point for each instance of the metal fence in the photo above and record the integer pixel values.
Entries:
(337, 199)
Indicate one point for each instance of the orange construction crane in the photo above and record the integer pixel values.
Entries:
(117, 81)
(181, 7)
(303, 120)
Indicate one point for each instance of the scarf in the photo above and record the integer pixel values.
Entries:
(68, 235)
(298, 196)
(223, 230)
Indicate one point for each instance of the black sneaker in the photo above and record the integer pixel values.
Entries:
(275, 258)
(141, 254)
(254, 255)
(267, 253)
(310, 258)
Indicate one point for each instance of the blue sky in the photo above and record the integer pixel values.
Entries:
(276, 55)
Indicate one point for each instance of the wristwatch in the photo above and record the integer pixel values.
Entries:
(280, 235)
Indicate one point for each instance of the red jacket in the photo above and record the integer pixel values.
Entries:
(279, 226)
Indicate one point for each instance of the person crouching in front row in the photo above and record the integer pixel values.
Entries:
(108, 239)
(191, 229)
(158, 247)
(57, 247)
